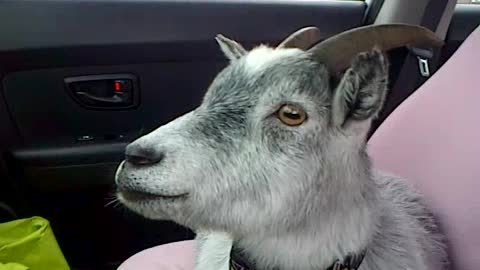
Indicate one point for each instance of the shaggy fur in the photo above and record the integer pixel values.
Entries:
(289, 197)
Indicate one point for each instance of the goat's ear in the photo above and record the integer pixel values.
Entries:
(361, 92)
(232, 49)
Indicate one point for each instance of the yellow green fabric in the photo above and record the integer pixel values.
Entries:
(13, 266)
(31, 244)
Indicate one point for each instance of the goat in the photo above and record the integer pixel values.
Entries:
(272, 167)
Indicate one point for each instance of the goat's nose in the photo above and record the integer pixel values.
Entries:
(142, 156)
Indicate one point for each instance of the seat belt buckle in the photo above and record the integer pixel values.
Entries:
(423, 55)
(423, 67)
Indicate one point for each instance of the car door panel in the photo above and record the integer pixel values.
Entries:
(61, 23)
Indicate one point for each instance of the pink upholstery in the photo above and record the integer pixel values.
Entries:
(175, 256)
(433, 140)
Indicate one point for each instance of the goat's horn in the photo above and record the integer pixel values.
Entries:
(338, 51)
(302, 39)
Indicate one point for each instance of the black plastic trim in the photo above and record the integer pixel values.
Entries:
(70, 154)
(466, 18)
(61, 23)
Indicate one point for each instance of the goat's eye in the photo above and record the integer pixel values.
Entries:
(291, 115)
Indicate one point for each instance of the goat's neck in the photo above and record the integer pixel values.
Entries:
(343, 223)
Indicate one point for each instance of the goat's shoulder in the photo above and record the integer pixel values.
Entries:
(400, 195)
(408, 236)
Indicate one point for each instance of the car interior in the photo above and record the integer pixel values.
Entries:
(81, 79)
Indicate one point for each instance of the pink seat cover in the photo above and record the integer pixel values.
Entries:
(174, 256)
(432, 139)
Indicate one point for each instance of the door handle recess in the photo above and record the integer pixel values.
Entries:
(106, 92)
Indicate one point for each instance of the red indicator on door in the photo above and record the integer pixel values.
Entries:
(118, 86)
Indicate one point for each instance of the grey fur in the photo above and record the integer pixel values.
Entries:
(291, 197)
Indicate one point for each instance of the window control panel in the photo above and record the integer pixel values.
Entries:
(113, 91)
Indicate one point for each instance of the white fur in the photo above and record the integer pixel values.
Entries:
(263, 56)
(213, 250)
